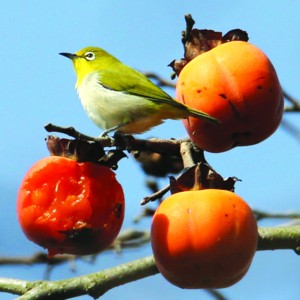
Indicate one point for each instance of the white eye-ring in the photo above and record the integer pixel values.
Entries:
(90, 56)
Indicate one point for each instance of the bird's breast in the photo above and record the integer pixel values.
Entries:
(108, 108)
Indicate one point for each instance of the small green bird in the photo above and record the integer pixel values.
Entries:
(119, 98)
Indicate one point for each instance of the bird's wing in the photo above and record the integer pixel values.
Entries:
(132, 82)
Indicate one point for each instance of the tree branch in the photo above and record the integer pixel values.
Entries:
(170, 146)
(279, 238)
(94, 284)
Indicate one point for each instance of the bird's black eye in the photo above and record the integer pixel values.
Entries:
(90, 56)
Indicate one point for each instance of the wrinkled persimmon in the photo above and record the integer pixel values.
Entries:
(236, 83)
(203, 239)
(70, 207)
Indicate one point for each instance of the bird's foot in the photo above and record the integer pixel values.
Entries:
(113, 129)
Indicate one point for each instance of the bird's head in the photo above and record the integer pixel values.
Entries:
(88, 60)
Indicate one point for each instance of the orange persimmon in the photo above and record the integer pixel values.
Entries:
(236, 83)
(70, 207)
(204, 239)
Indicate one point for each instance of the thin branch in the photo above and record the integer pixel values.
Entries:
(155, 196)
(161, 82)
(127, 239)
(37, 258)
(295, 103)
(130, 238)
(216, 294)
(291, 128)
(264, 215)
(292, 108)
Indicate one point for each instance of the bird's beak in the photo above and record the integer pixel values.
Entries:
(68, 55)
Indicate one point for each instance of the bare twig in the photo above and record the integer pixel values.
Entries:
(295, 103)
(161, 82)
(127, 239)
(268, 215)
(216, 294)
(291, 128)
(155, 196)
(292, 108)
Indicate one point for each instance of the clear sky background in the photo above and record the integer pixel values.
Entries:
(37, 86)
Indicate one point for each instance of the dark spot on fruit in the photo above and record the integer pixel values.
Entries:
(79, 235)
(223, 96)
(226, 215)
(259, 87)
(270, 90)
(118, 210)
(182, 83)
(199, 91)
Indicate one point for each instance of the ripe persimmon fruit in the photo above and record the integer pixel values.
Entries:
(236, 83)
(204, 239)
(70, 207)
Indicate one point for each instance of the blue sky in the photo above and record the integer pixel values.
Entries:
(37, 86)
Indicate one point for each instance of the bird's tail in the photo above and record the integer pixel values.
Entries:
(201, 115)
(184, 111)
(194, 112)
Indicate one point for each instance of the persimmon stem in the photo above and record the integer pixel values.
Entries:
(189, 26)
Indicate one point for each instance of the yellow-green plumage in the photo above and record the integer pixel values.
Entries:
(117, 97)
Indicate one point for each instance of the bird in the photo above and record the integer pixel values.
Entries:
(119, 98)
